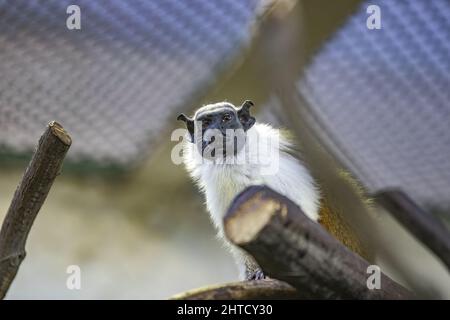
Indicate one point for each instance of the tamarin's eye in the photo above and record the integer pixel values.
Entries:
(226, 117)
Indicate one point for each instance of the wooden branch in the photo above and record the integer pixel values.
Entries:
(268, 289)
(423, 225)
(290, 247)
(42, 170)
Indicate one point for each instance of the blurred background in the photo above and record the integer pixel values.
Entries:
(375, 102)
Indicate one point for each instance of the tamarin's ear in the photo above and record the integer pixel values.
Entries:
(189, 123)
(245, 118)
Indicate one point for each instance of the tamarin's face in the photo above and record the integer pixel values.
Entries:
(219, 120)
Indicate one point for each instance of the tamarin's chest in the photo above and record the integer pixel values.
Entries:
(221, 186)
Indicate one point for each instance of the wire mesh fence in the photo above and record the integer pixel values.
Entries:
(115, 83)
(380, 99)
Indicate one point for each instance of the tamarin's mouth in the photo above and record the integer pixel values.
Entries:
(207, 143)
(228, 148)
(222, 145)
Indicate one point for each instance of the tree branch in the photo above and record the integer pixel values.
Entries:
(31, 193)
(246, 290)
(292, 248)
(423, 225)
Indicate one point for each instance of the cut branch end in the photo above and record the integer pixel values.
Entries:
(58, 131)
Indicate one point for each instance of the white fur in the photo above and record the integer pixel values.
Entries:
(222, 182)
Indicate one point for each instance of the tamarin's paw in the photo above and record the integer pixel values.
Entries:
(256, 275)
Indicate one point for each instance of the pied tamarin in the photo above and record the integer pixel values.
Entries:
(211, 160)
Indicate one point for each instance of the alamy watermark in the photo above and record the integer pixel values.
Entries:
(234, 147)
(73, 21)
(374, 279)
(73, 281)
(373, 21)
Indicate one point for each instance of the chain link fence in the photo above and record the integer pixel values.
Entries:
(115, 83)
(380, 99)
